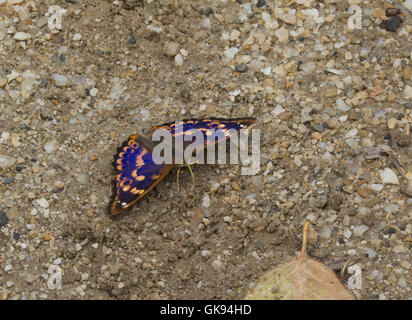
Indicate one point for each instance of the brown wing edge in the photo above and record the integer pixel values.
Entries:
(115, 209)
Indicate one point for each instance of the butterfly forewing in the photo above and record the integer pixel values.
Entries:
(137, 175)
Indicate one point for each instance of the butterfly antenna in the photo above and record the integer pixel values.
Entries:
(191, 172)
(177, 178)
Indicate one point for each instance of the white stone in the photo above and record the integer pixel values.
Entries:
(230, 53)
(267, 71)
(43, 203)
(145, 114)
(278, 110)
(376, 187)
(77, 37)
(347, 233)
(280, 71)
(389, 177)
(60, 80)
(206, 23)
(22, 36)
(50, 146)
(206, 201)
(227, 219)
(184, 52)
(308, 67)
(178, 60)
(407, 92)
(5, 135)
(341, 105)
(6, 161)
(234, 35)
(93, 92)
(13, 2)
(282, 34)
(360, 230)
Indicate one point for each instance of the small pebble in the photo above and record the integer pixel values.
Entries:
(43, 203)
(178, 60)
(206, 201)
(388, 176)
(171, 49)
(392, 123)
(22, 36)
(3, 219)
(60, 80)
(50, 146)
(359, 230)
(6, 161)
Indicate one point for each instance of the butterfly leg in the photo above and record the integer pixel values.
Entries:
(178, 175)
(177, 178)
(191, 172)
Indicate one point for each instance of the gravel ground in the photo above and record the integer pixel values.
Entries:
(334, 106)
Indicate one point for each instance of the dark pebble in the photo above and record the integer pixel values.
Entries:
(3, 219)
(354, 115)
(208, 11)
(351, 212)
(325, 125)
(87, 91)
(389, 230)
(239, 1)
(8, 180)
(402, 139)
(400, 116)
(387, 136)
(241, 68)
(259, 246)
(19, 168)
(335, 201)
(132, 40)
(261, 3)
(392, 12)
(131, 4)
(46, 114)
(368, 220)
(43, 82)
(319, 127)
(391, 24)
(16, 236)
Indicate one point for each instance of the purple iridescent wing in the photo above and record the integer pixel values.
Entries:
(137, 175)
(221, 128)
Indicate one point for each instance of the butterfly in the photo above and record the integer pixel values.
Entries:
(138, 173)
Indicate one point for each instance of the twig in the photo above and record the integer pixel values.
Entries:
(301, 259)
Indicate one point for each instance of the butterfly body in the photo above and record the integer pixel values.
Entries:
(138, 173)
